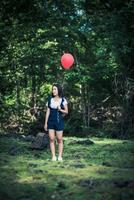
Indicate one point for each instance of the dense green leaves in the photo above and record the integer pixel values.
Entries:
(99, 34)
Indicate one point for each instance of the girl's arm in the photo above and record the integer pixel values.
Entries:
(46, 118)
(65, 110)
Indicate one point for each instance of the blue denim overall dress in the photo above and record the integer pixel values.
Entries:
(55, 120)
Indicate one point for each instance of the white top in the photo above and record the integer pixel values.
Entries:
(54, 104)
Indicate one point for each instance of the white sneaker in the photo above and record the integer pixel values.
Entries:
(60, 159)
(54, 158)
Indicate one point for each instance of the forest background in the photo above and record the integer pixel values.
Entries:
(100, 85)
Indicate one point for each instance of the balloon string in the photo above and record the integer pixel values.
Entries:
(77, 64)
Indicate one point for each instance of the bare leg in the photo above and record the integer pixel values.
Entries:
(59, 135)
(52, 141)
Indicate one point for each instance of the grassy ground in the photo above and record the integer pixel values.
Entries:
(100, 171)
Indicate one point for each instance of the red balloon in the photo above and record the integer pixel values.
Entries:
(67, 60)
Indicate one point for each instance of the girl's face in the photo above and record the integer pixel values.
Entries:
(55, 91)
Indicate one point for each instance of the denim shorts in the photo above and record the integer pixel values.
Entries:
(57, 126)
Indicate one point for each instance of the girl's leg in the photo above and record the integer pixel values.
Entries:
(52, 141)
(59, 135)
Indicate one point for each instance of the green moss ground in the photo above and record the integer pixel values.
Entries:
(100, 171)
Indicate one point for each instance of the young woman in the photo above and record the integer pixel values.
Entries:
(54, 122)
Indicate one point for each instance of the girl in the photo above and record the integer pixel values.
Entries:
(54, 122)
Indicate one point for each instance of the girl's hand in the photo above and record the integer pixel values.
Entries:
(59, 108)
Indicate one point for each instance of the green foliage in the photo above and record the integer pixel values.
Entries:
(99, 34)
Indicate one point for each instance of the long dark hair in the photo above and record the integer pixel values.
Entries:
(60, 91)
